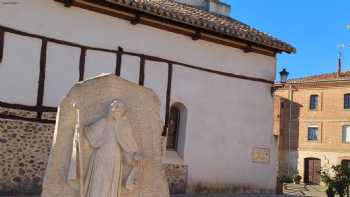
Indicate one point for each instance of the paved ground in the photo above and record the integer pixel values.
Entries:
(305, 190)
(290, 190)
(231, 195)
(203, 195)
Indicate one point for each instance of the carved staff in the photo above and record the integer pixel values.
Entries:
(80, 154)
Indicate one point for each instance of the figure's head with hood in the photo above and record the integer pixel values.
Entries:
(117, 109)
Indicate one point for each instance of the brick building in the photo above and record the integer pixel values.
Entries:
(312, 117)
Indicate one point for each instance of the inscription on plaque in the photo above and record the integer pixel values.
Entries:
(261, 155)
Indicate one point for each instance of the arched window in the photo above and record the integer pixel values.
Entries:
(176, 128)
(173, 131)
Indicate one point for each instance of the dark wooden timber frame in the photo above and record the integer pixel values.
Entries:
(68, 3)
(119, 61)
(82, 63)
(142, 71)
(42, 72)
(136, 17)
(2, 43)
(168, 99)
(39, 108)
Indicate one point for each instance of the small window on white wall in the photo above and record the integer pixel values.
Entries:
(176, 129)
(173, 131)
(346, 134)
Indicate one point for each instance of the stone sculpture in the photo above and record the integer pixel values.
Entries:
(107, 142)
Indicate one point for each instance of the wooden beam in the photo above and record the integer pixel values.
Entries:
(146, 57)
(28, 108)
(142, 71)
(197, 35)
(248, 48)
(68, 3)
(14, 117)
(119, 61)
(42, 73)
(136, 19)
(168, 100)
(122, 12)
(82, 64)
(2, 43)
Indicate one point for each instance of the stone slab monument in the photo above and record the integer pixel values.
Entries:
(107, 142)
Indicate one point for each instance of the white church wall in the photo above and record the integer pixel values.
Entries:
(98, 62)
(90, 28)
(19, 71)
(62, 72)
(156, 78)
(226, 122)
(227, 117)
(130, 68)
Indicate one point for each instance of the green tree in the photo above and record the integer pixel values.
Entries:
(337, 179)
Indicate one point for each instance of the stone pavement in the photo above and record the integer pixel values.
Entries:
(305, 190)
(290, 190)
(232, 195)
(203, 195)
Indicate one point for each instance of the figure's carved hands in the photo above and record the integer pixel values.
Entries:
(138, 157)
(134, 159)
(131, 159)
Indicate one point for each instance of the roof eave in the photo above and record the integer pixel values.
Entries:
(136, 12)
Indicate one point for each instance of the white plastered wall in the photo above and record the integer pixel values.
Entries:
(227, 117)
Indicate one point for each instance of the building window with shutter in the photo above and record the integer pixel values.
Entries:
(176, 137)
(313, 102)
(313, 134)
(173, 132)
(346, 134)
(346, 101)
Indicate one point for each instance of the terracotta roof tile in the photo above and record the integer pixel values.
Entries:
(196, 17)
(322, 77)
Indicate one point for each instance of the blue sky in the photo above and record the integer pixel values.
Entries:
(314, 27)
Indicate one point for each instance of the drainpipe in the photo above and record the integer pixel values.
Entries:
(290, 98)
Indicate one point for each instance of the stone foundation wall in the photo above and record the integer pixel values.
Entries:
(177, 177)
(24, 152)
(25, 148)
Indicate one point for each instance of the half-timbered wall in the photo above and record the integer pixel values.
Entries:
(47, 48)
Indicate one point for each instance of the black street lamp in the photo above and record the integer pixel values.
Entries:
(284, 76)
(283, 80)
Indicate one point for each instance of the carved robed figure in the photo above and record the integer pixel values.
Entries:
(107, 142)
(113, 145)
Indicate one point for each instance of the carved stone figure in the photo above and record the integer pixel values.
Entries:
(107, 142)
(112, 141)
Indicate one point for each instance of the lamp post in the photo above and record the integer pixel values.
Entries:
(283, 80)
(284, 76)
